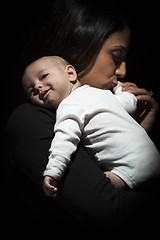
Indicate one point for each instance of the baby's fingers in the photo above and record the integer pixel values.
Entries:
(48, 188)
(49, 191)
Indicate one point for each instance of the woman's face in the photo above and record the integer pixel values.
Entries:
(110, 63)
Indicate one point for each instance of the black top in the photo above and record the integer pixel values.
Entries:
(85, 195)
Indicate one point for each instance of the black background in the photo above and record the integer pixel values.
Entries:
(143, 58)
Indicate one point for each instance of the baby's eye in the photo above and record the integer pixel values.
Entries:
(44, 76)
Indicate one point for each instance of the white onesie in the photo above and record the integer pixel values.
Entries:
(100, 120)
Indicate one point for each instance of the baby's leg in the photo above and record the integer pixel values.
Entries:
(116, 181)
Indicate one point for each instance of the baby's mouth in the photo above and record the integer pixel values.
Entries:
(44, 94)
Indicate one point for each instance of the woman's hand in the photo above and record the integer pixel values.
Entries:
(147, 107)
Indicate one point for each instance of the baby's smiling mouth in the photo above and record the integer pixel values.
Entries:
(44, 94)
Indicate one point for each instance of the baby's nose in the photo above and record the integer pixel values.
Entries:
(37, 87)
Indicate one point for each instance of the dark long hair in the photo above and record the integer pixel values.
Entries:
(74, 30)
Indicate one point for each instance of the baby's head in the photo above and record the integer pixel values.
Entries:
(48, 81)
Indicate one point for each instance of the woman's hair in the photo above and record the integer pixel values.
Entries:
(74, 30)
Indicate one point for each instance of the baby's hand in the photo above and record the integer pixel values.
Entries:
(117, 86)
(50, 185)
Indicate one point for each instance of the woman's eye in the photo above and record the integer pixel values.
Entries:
(117, 58)
(44, 76)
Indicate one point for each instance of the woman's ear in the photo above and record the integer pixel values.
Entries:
(70, 70)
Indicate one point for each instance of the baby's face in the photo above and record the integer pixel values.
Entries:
(46, 83)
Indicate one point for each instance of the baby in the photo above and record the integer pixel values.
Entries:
(98, 118)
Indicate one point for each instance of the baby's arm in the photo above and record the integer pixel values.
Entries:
(64, 144)
(50, 185)
(127, 99)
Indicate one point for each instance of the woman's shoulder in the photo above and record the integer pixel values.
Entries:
(28, 115)
(27, 110)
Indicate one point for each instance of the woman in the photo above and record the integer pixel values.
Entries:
(96, 43)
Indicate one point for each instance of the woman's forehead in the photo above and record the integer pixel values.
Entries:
(121, 38)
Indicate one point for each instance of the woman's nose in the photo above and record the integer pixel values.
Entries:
(121, 70)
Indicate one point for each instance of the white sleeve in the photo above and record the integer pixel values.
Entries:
(127, 100)
(67, 136)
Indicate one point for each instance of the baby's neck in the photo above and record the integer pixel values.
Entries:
(76, 85)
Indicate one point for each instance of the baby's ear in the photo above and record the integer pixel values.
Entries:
(70, 70)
